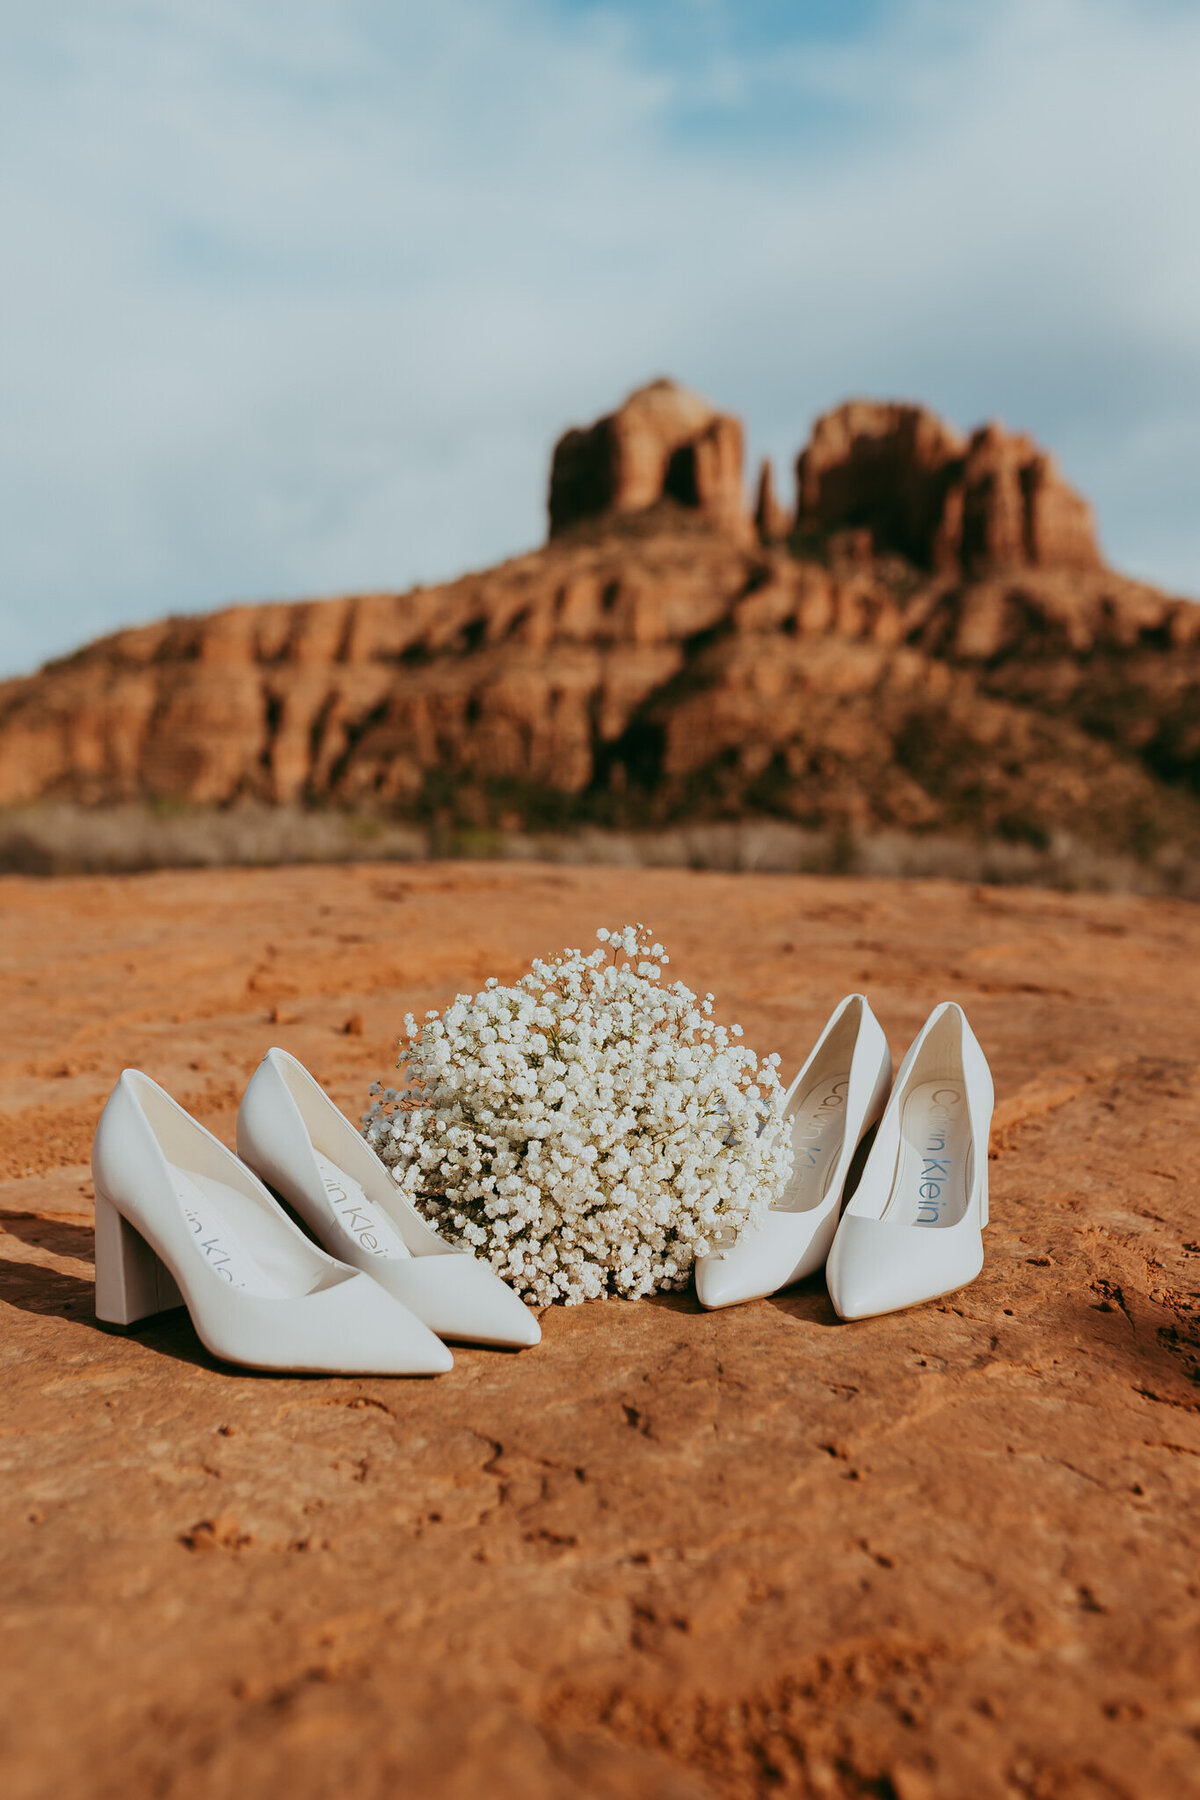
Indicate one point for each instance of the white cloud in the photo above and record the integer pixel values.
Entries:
(299, 297)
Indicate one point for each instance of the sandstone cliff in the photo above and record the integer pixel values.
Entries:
(936, 646)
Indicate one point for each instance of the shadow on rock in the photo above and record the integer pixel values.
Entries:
(808, 1301)
(58, 1236)
(49, 1293)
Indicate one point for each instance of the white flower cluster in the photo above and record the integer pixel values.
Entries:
(587, 1131)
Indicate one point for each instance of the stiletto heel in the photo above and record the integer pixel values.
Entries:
(306, 1151)
(833, 1107)
(181, 1222)
(131, 1282)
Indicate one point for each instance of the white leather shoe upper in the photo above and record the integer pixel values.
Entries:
(258, 1291)
(913, 1229)
(290, 1132)
(834, 1101)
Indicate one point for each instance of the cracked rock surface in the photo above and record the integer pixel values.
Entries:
(948, 1553)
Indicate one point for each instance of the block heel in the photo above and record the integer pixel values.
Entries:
(131, 1282)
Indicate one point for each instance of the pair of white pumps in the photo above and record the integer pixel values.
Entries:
(181, 1221)
(912, 1228)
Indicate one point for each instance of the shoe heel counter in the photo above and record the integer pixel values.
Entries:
(273, 1141)
(883, 1080)
(871, 1071)
(116, 1131)
(977, 1068)
(871, 1033)
(982, 1091)
(132, 1283)
(256, 1131)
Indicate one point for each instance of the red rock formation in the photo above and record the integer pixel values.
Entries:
(951, 506)
(881, 467)
(1015, 510)
(661, 666)
(664, 442)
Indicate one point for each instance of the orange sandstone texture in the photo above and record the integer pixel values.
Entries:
(666, 1554)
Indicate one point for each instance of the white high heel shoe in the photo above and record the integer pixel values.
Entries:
(181, 1222)
(834, 1101)
(913, 1229)
(290, 1132)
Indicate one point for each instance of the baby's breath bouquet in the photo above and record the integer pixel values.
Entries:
(589, 1130)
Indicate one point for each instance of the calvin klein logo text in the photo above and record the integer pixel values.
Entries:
(806, 1137)
(354, 1215)
(219, 1258)
(932, 1191)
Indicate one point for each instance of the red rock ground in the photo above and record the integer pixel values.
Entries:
(948, 1553)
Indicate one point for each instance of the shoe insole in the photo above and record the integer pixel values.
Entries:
(930, 1187)
(225, 1227)
(818, 1120)
(366, 1220)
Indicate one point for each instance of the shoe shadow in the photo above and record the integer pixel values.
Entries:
(54, 1294)
(56, 1235)
(48, 1292)
(51, 1294)
(684, 1301)
(808, 1302)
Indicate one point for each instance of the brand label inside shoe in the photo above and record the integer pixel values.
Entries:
(811, 1129)
(935, 1141)
(937, 1157)
(218, 1239)
(818, 1120)
(365, 1220)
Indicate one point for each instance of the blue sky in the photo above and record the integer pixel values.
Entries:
(299, 295)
